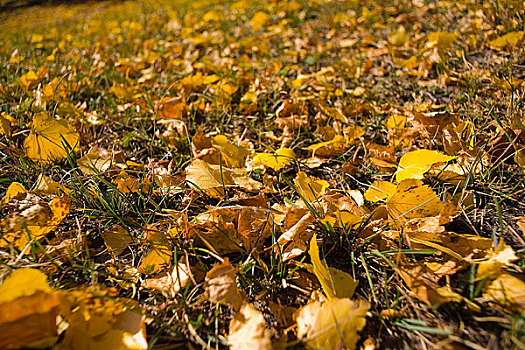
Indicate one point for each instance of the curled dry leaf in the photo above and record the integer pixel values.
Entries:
(173, 280)
(248, 330)
(32, 218)
(220, 285)
(335, 283)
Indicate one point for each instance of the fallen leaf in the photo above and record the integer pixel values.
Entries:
(211, 180)
(50, 139)
(173, 280)
(97, 319)
(335, 283)
(277, 160)
(14, 190)
(413, 165)
(233, 156)
(159, 254)
(220, 285)
(508, 291)
(29, 311)
(117, 239)
(46, 186)
(509, 39)
(500, 257)
(333, 324)
(310, 190)
(248, 330)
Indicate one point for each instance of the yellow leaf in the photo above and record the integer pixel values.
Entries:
(46, 186)
(93, 164)
(208, 179)
(117, 239)
(507, 291)
(442, 40)
(172, 281)
(233, 156)
(34, 221)
(334, 147)
(412, 200)
(310, 189)
(413, 165)
(399, 37)
(499, 258)
(248, 330)
(50, 139)
(14, 190)
(333, 324)
(276, 161)
(23, 282)
(128, 184)
(29, 311)
(5, 124)
(98, 320)
(159, 254)
(259, 20)
(29, 80)
(509, 39)
(335, 283)
(121, 91)
(380, 190)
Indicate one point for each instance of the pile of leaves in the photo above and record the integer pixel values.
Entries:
(303, 173)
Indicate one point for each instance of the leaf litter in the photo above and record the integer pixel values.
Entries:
(237, 174)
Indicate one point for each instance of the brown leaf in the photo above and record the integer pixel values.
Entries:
(220, 285)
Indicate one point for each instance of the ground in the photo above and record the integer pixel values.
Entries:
(296, 173)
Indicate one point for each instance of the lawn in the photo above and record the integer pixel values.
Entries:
(316, 174)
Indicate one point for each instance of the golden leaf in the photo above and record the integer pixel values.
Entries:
(172, 281)
(399, 37)
(499, 258)
(209, 179)
(507, 291)
(310, 189)
(380, 190)
(509, 39)
(443, 41)
(46, 186)
(50, 139)
(159, 254)
(15, 189)
(333, 324)
(128, 184)
(29, 311)
(334, 147)
(93, 164)
(98, 320)
(335, 283)
(259, 20)
(412, 200)
(413, 165)
(248, 330)
(277, 160)
(233, 156)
